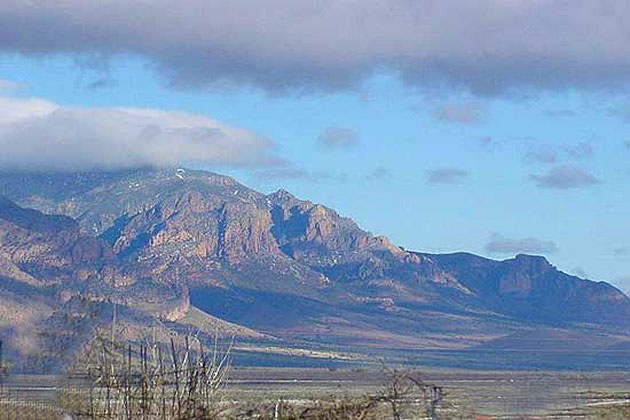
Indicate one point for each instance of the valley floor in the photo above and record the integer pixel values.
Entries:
(496, 394)
(469, 394)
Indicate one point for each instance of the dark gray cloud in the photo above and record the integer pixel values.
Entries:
(339, 137)
(499, 244)
(446, 176)
(35, 133)
(565, 177)
(580, 151)
(459, 113)
(484, 46)
(542, 153)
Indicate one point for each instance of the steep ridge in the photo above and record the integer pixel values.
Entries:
(318, 237)
(530, 288)
(46, 246)
(55, 283)
(293, 269)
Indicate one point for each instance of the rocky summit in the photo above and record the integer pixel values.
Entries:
(179, 250)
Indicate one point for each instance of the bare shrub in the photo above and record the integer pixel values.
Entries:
(178, 381)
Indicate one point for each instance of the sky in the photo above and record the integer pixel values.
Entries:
(495, 127)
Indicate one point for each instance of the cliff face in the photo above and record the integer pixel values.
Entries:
(166, 241)
(523, 274)
(306, 230)
(198, 226)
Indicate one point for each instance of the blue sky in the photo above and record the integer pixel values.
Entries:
(539, 165)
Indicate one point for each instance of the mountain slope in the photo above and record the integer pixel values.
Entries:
(288, 268)
(57, 286)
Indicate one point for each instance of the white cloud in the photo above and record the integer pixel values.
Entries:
(39, 134)
(14, 110)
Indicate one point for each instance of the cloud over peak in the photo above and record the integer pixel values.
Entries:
(39, 134)
(484, 46)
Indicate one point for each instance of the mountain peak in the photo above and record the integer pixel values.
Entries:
(532, 263)
(524, 270)
(281, 195)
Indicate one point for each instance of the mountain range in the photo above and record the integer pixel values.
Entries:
(170, 251)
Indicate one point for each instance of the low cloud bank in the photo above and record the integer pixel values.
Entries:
(39, 134)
